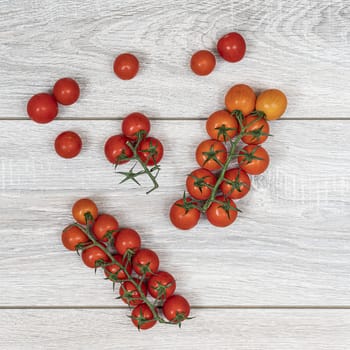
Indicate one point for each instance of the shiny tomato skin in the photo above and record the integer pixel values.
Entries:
(211, 146)
(273, 103)
(126, 66)
(42, 108)
(163, 280)
(103, 224)
(115, 269)
(156, 154)
(91, 255)
(241, 180)
(115, 146)
(231, 47)
(176, 308)
(134, 123)
(82, 207)
(203, 62)
(197, 183)
(127, 239)
(66, 91)
(253, 166)
(182, 219)
(146, 315)
(218, 216)
(128, 287)
(253, 125)
(72, 236)
(220, 121)
(68, 144)
(240, 97)
(145, 262)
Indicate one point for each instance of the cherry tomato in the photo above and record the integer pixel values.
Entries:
(236, 183)
(222, 126)
(199, 183)
(129, 293)
(91, 255)
(114, 272)
(184, 216)
(240, 97)
(145, 262)
(126, 66)
(104, 224)
(272, 102)
(142, 317)
(66, 91)
(150, 151)
(257, 130)
(231, 47)
(42, 108)
(253, 159)
(161, 285)
(72, 236)
(176, 308)
(211, 154)
(134, 123)
(68, 144)
(127, 240)
(222, 214)
(116, 149)
(82, 207)
(203, 62)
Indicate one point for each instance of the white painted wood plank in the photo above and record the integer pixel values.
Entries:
(290, 245)
(301, 47)
(211, 329)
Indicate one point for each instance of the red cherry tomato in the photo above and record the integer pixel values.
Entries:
(236, 183)
(253, 159)
(72, 236)
(150, 151)
(145, 262)
(114, 272)
(203, 62)
(142, 317)
(161, 285)
(126, 66)
(231, 47)
(66, 91)
(82, 207)
(134, 123)
(176, 309)
(211, 154)
(184, 216)
(116, 148)
(199, 183)
(127, 240)
(68, 144)
(42, 108)
(257, 130)
(222, 214)
(104, 224)
(91, 255)
(129, 293)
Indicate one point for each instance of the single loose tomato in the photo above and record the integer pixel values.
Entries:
(211, 154)
(72, 236)
(272, 102)
(91, 255)
(199, 183)
(222, 212)
(142, 317)
(184, 214)
(256, 130)
(68, 144)
(222, 126)
(236, 183)
(134, 123)
(231, 47)
(116, 149)
(176, 308)
(161, 285)
(126, 66)
(82, 207)
(42, 108)
(203, 62)
(105, 224)
(145, 262)
(150, 151)
(126, 240)
(240, 97)
(114, 272)
(129, 293)
(253, 159)
(66, 91)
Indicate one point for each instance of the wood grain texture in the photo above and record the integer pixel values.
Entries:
(210, 329)
(301, 47)
(289, 246)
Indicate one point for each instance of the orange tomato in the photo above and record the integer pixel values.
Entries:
(222, 126)
(82, 207)
(241, 97)
(272, 102)
(207, 150)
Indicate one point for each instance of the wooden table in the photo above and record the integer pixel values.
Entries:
(279, 277)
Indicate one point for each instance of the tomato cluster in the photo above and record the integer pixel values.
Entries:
(214, 186)
(143, 287)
